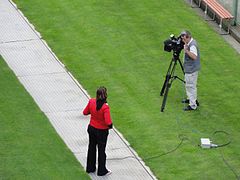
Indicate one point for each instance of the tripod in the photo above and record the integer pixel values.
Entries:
(170, 77)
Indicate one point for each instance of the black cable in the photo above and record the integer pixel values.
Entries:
(168, 152)
(224, 132)
(230, 167)
(224, 160)
(180, 136)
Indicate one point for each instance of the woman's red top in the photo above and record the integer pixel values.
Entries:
(100, 119)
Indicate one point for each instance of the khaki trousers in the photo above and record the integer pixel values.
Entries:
(191, 88)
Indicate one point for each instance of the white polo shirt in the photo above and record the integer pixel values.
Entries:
(193, 48)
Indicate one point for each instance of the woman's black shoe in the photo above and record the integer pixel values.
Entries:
(106, 174)
(93, 171)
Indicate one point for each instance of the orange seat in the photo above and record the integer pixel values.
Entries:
(218, 10)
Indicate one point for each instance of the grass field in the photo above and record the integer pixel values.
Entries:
(30, 147)
(119, 44)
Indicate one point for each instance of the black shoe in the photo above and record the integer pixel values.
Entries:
(187, 101)
(92, 171)
(105, 174)
(188, 108)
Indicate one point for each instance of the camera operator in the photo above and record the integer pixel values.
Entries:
(191, 68)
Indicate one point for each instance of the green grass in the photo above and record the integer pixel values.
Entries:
(119, 44)
(30, 148)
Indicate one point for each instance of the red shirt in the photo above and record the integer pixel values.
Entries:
(99, 119)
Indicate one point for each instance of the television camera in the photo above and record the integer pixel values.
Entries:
(174, 44)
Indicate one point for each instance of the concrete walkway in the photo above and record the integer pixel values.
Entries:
(59, 95)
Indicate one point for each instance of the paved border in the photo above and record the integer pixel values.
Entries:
(59, 95)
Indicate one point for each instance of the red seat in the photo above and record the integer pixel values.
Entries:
(218, 10)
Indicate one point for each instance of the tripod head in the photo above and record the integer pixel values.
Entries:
(176, 55)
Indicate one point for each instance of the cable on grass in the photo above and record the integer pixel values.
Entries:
(180, 136)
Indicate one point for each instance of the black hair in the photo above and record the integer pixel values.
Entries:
(101, 97)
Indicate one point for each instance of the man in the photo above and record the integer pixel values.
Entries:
(191, 67)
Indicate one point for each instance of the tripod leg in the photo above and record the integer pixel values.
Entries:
(168, 85)
(168, 76)
(165, 84)
(181, 65)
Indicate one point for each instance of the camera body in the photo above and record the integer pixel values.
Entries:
(174, 44)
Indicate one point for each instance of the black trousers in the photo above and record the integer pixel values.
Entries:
(97, 138)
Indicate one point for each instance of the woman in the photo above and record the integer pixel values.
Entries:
(100, 123)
